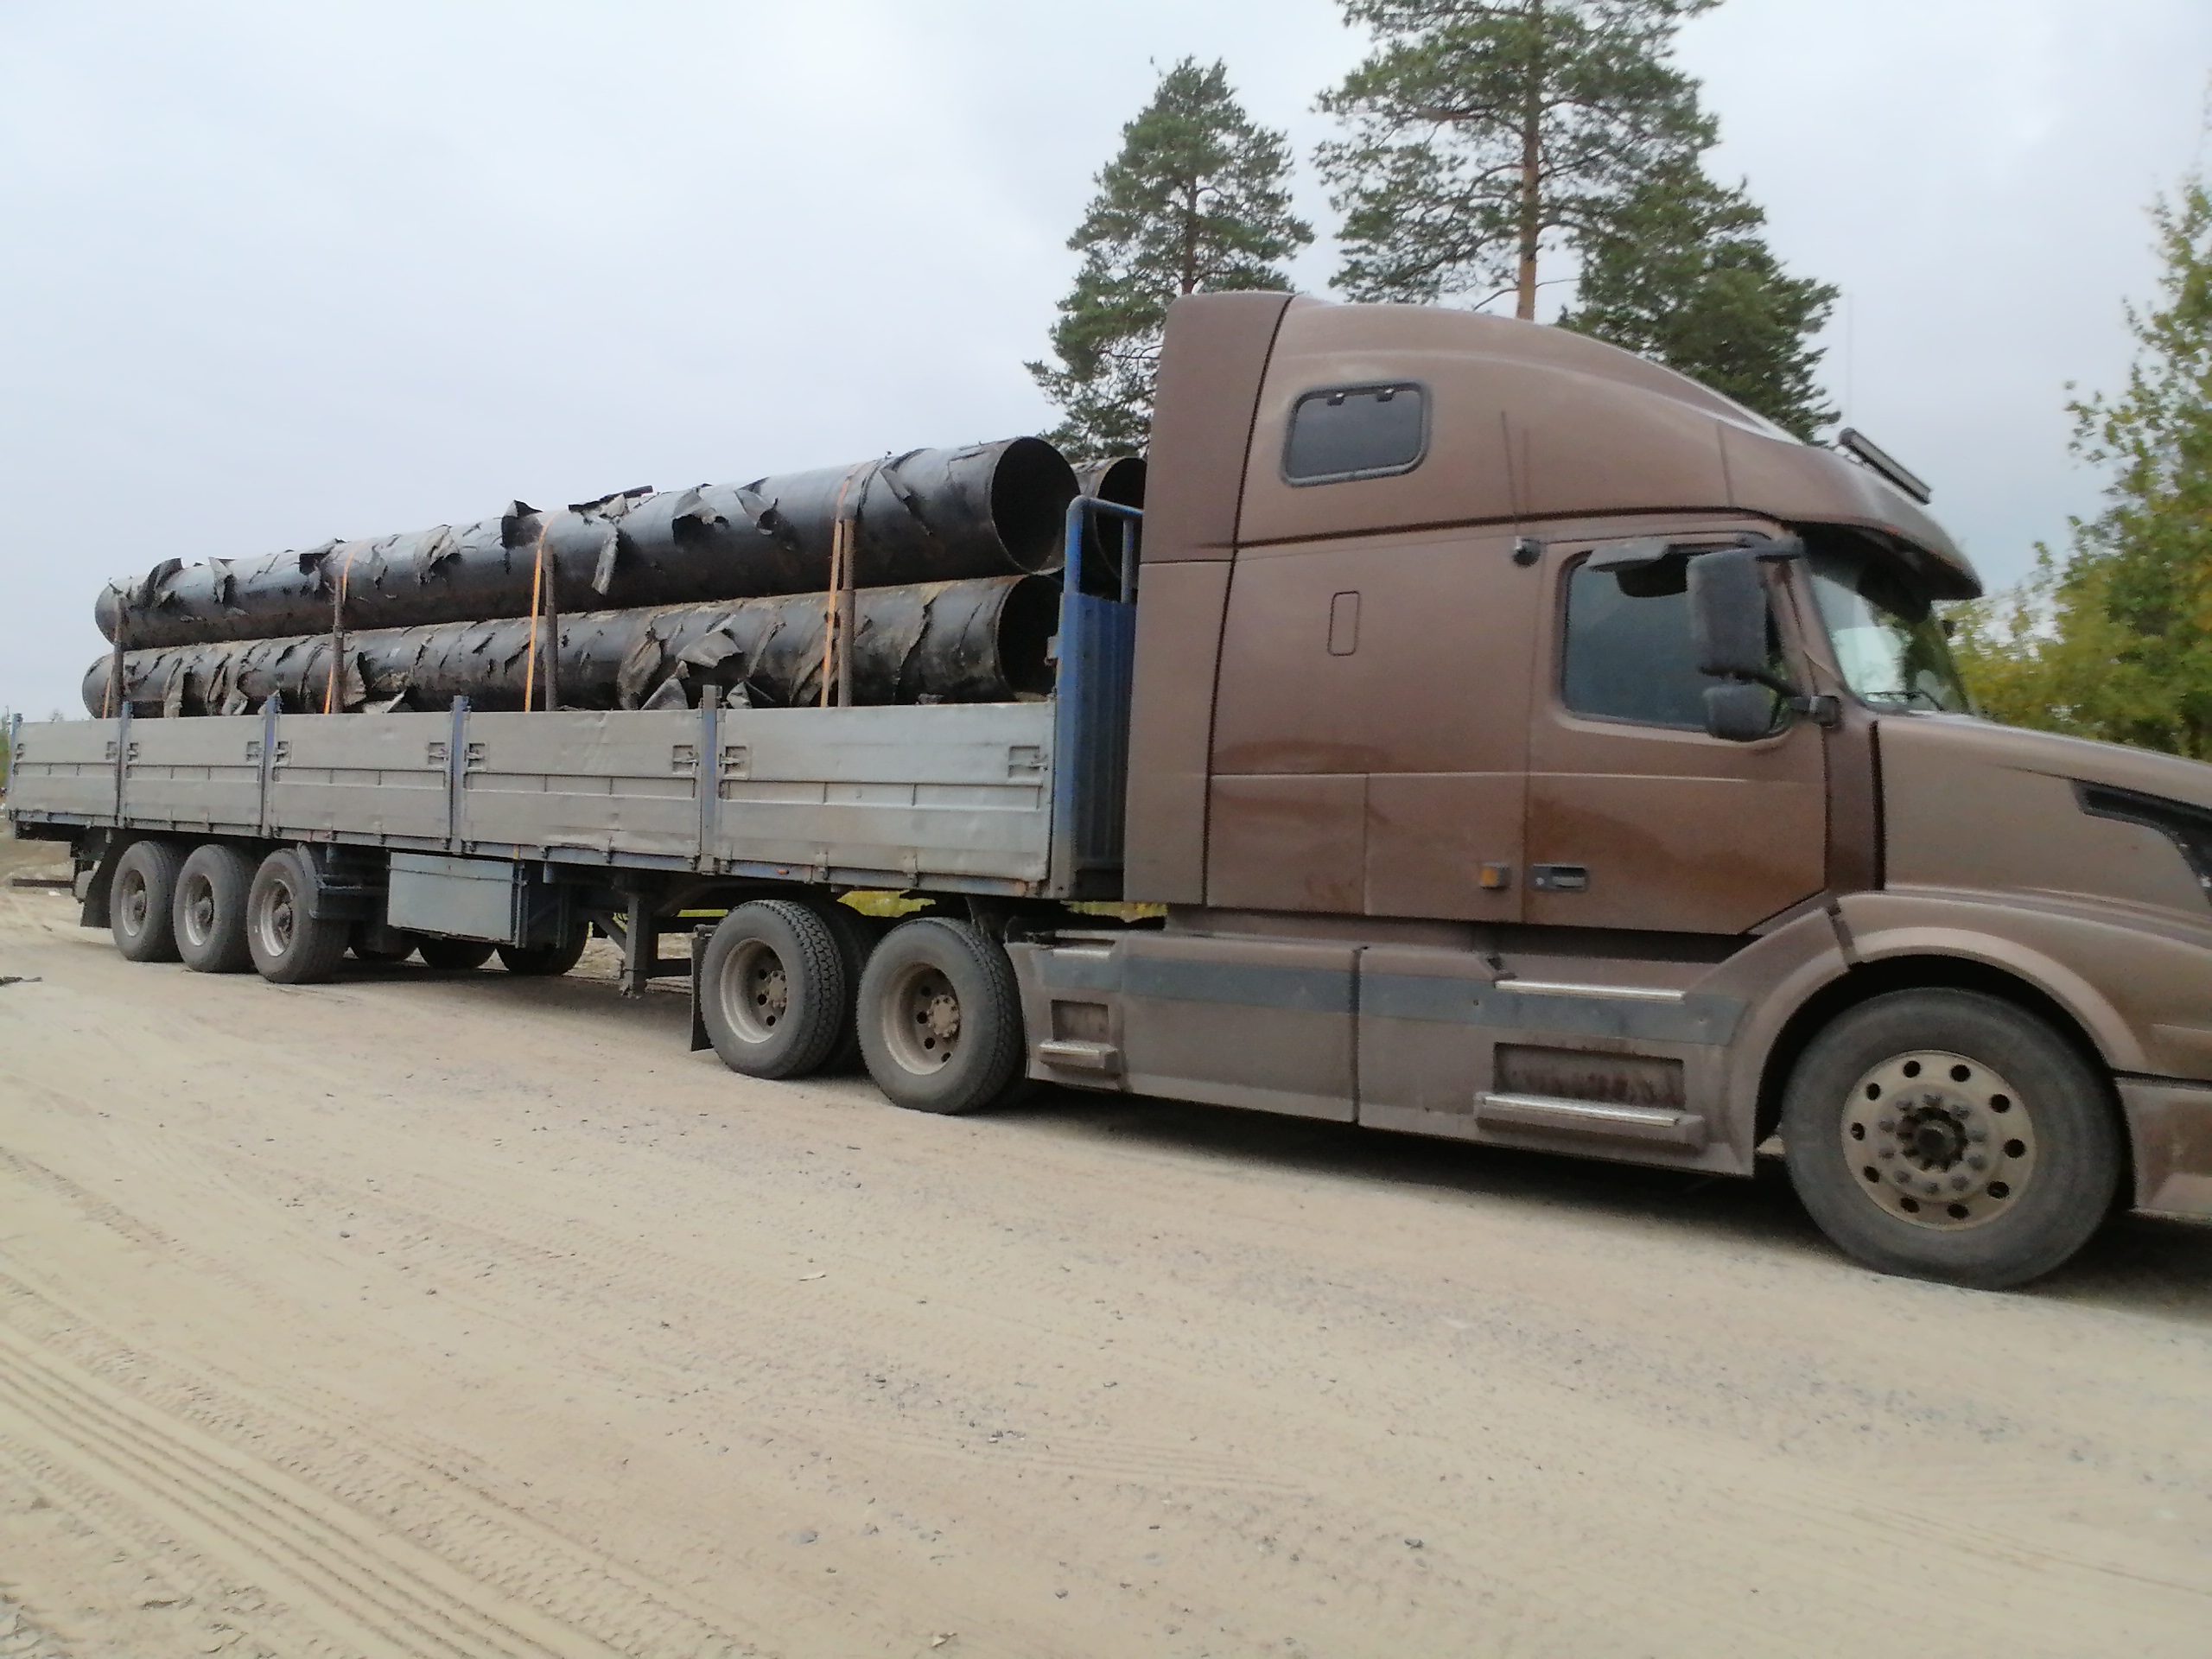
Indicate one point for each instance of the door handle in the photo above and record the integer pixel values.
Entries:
(1560, 878)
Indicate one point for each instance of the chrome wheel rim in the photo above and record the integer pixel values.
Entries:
(921, 1019)
(756, 991)
(1939, 1141)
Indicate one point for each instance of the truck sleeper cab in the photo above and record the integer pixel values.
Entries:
(1522, 744)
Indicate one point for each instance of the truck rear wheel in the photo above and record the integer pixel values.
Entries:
(454, 956)
(210, 912)
(290, 946)
(543, 961)
(940, 1018)
(1947, 1135)
(141, 901)
(771, 989)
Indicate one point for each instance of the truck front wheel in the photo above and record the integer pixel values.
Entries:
(141, 901)
(940, 1018)
(1949, 1134)
(290, 945)
(771, 989)
(210, 912)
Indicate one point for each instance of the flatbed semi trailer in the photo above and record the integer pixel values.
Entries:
(1491, 736)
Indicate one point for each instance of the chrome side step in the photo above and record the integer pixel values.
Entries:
(1557, 1114)
(1071, 1055)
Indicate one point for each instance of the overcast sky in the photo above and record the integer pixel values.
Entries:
(274, 272)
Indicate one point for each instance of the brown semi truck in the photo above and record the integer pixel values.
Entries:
(1526, 744)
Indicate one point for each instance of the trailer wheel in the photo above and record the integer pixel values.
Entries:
(1950, 1136)
(210, 912)
(771, 989)
(141, 901)
(940, 1018)
(379, 945)
(290, 946)
(454, 956)
(856, 938)
(544, 960)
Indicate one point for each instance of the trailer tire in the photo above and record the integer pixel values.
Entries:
(940, 1018)
(378, 945)
(141, 901)
(454, 956)
(544, 960)
(209, 915)
(290, 946)
(856, 938)
(771, 989)
(1951, 1135)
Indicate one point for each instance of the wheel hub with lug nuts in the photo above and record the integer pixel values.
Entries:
(1939, 1139)
(922, 1029)
(756, 990)
(199, 912)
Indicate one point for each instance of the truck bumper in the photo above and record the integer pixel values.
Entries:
(2171, 1124)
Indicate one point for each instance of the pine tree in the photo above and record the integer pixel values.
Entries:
(2114, 640)
(1681, 275)
(1480, 135)
(1197, 198)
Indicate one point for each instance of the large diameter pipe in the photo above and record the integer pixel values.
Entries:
(976, 641)
(929, 515)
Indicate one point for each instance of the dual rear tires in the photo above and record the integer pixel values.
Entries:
(290, 945)
(933, 1009)
(166, 904)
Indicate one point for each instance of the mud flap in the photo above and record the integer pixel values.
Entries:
(699, 1038)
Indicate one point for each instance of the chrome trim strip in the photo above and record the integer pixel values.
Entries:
(1626, 993)
(1556, 1113)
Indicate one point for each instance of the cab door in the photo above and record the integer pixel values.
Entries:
(1636, 818)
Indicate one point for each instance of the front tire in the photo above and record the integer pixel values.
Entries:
(291, 946)
(141, 901)
(1950, 1136)
(771, 989)
(940, 1018)
(209, 915)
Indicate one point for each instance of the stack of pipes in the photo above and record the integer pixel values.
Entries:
(923, 577)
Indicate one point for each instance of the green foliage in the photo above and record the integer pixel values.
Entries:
(1197, 199)
(1480, 135)
(1679, 274)
(2115, 641)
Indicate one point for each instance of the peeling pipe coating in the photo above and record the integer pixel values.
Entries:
(976, 641)
(927, 516)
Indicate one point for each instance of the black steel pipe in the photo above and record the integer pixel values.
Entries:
(1119, 480)
(976, 641)
(928, 515)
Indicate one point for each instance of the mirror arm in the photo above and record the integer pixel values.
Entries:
(1820, 707)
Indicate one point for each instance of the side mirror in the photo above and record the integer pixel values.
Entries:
(1728, 615)
(1739, 712)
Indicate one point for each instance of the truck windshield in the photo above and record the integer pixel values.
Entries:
(1890, 649)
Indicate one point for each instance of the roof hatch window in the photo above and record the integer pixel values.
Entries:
(1346, 432)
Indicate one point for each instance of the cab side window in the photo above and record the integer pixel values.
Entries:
(1628, 654)
(1346, 432)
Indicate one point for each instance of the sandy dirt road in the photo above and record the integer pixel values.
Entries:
(461, 1315)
